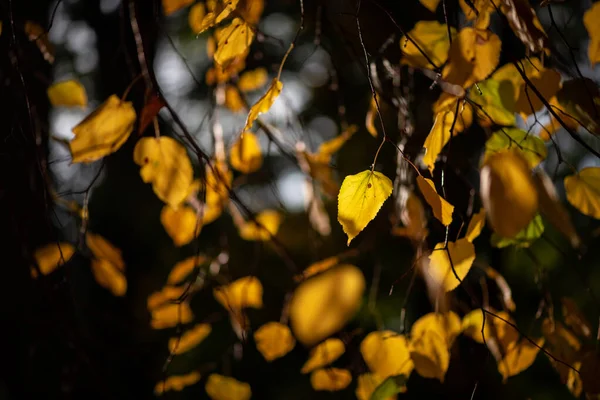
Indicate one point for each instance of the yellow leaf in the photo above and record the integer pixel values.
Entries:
(371, 117)
(103, 131)
(109, 276)
(251, 10)
(265, 228)
(177, 382)
(322, 305)
(324, 354)
(165, 163)
(182, 270)
(242, 293)
(360, 198)
(472, 324)
(67, 93)
(222, 74)
(447, 326)
(590, 20)
(196, 17)
(386, 354)
(444, 263)
(165, 295)
(219, 387)
(274, 340)
(532, 148)
(328, 148)
(51, 256)
(103, 249)
(253, 80)
(38, 34)
(233, 41)
(330, 379)
(181, 224)
(496, 101)
(264, 103)
(318, 267)
(478, 10)
(473, 56)
(413, 218)
(233, 99)
(431, 5)
(245, 155)
(476, 224)
(432, 39)
(583, 191)
(170, 6)
(217, 184)
(442, 210)
(321, 172)
(189, 339)
(170, 315)
(430, 355)
(519, 357)
(218, 11)
(546, 81)
(438, 137)
(508, 192)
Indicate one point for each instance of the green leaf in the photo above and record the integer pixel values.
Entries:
(525, 238)
(533, 148)
(497, 101)
(389, 387)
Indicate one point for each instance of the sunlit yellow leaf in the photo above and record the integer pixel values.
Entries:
(274, 340)
(51, 256)
(583, 191)
(414, 220)
(497, 102)
(170, 6)
(328, 148)
(67, 93)
(177, 382)
(532, 148)
(183, 269)
(181, 224)
(590, 20)
(218, 11)
(103, 131)
(165, 163)
(448, 103)
(367, 384)
(233, 41)
(233, 99)
(431, 5)
(170, 315)
(438, 137)
(103, 249)
(322, 304)
(253, 80)
(165, 295)
(430, 355)
(473, 56)
(445, 263)
(432, 39)
(518, 357)
(219, 387)
(317, 267)
(446, 325)
(196, 17)
(508, 192)
(442, 210)
(222, 74)
(245, 155)
(242, 293)
(189, 339)
(264, 228)
(546, 81)
(476, 224)
(473, 323)
(386, 354)
(109, 276)
(360, 198)
(324, 354)
(251, 10)
(330, 379)
(264, 103)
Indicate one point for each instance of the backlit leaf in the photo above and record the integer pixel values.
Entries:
(245, 155)
(442, 210)
(183, 269)
(479, 11)
(153, 105)
(473, 323)
(317, 267)
(524, 238)
(274, 340)
(253, 80)
(103, 131)
(446, 325)
(51, 256)
(196, 17)
(583, 191)
(386, 353)
(430, 355)
(68, 93)
(546, 81)
(233, 99)
(233, 41)
(324, 354)
(446, 264)
(432, 39)
(171, 6)
(371, 117)
(590, 20)
(217, 12)
(182, 224)
(242, 293)
(189, 339)
(497, 102)
(264, 103)
(103, 249)
(264, 228)
(476, 224)
(360, 198)
(171, 315)
(321, 305)
(219, 387)
(109, 276)
(177, 382)
(438, 137)
(532, 148)
(330, 379)
(165, 295)
(165, 163)
(431, 5)
(518, 357)
(508, 192)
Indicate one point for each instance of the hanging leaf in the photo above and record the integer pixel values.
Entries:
(430, 356)
(590, 20)
(318, 267)
(446, 325)
(371, 117)
(327, 149)
(386, 353)
(103, 131)
(182, 224)
(243, 293)
(580, 98)
(69, 93)
(518, 357)
(253, 80)
(177, 382)
(442, 210)
(233, 99)
(264, 103)
(109, 276)
(472, 324)
(171, 6)
(322, 305)
(166, 295)
(219, 387)
(38, 34)
(508, 192)
(525, 238)
(324, 354)
(431, 5)
(330, 379)
(51, 256)
(525, 24)
(233, 41)
(532, 148)
(360, 198)
(476, 225)
(218, 11)
(432, 40)
(196, 17)
(189, 339)
(546, 81)
(183, 269)
(165, 163)
(170, 315)
(154, 103)
(439, 135)
(497, 102)
(274, 340)
(245, 155)
(479, 11)
(446, 264)
(583, 191)
(264, 228)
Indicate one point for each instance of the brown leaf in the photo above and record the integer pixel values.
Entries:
(525, 24)
(153, 105)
